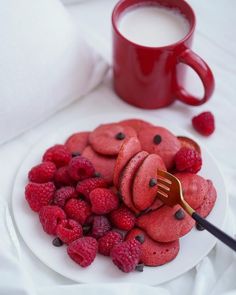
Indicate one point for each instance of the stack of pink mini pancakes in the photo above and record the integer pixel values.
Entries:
(127, 154)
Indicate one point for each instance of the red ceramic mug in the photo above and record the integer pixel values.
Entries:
(147, 76)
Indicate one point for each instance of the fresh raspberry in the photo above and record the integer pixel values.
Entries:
(108, 241)
(39, 194)
(50, 217)
(42, 173)
(84, 187)
(78, 210)
(58, 154)
(62, 177)
(123, 218)
(63, 194)
(126, 255)
(103, 200)
(100, 226)
(204, 123)
(83, 251)
(80, 168)
(188, 160)
(69, 230)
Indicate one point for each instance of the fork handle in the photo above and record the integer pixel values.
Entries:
(223, 237)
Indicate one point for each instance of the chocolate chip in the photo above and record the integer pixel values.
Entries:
(139, 267)
(120, 136)
(97, 174)
(152, 182)
(75, 154)
(179, 214)
(57, 242)
(199, 227)
(86, 229)
(140, 239)
(157, 139)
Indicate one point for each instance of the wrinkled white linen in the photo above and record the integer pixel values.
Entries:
(45, 64)
(215, 41)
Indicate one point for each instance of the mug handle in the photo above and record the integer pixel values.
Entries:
(191, 59)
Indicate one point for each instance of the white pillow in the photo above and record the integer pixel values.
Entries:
(44, 63)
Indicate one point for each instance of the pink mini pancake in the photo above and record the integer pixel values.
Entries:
(102, 164)
(194, 188)
(137, 124)
(154, 253)
(107, 139)
(129, 148)
(160, 141)
(144, 193)
(126, 179)
(163, 226)
(209, 200)
(156, 204)
(77, 142)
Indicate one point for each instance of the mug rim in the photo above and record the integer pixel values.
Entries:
(192, 25)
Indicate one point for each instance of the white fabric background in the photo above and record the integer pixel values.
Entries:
(45, 64)
(215, 41)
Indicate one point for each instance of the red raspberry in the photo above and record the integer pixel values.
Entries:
(188, 160)
(204, 123)
(39, 194)
(50, 217)
(84, 187)
(101, 225)
(78, 210)
(83, 251)
(63, 194)
(103, 200)
(108, 241)
(80, 168)
(58, 154)
(42, 173)
(69, 230)
(62, 177)
(123, 218)
(126, 255)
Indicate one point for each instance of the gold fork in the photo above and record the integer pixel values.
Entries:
(170, 192)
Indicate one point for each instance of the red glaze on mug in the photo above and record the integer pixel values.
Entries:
(147, 76)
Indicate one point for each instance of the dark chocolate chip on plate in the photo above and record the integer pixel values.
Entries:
(139, 267)
(57, 242)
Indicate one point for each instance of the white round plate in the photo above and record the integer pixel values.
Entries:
(193, 247)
